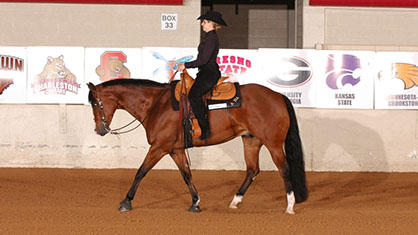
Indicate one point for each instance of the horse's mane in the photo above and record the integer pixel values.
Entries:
(135, 82)
(129, 81)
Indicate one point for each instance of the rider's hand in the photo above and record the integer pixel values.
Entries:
(180, 67)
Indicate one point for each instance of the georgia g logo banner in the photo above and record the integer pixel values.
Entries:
(291, 72)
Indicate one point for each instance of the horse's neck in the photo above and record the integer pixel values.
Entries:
(139, 102)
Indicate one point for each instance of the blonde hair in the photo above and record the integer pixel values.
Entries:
(216, 26)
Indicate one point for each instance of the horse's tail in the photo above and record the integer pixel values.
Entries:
(294, 156)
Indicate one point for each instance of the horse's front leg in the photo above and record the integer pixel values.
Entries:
(180, 159)
(154, 155)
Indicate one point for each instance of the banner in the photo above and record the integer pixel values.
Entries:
(104, 64)
(290, 72)
(160, 63)
(13, 64)
(396, 80)
(344, 79)
(56, 75)
(309, 78)
(239, 65)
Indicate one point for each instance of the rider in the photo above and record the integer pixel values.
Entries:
(209, 73)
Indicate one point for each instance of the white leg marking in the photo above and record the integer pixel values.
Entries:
(290, 203)
(237, 199)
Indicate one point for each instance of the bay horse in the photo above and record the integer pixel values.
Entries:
(264, 118)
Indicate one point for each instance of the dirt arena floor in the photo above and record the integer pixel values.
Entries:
(79, 201)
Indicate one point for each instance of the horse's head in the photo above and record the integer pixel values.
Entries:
(103, 109)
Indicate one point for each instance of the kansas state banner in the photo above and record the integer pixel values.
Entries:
(396, 80)
(56, 75)
(13, 65)
(344, 80)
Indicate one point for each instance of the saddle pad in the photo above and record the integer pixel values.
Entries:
(234, 102)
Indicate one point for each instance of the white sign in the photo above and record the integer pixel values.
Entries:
(396, 80)
(168, 21)
(344, 79)
(13, 65)
(159, 64)
(238, 65)
(290, 72)
(56, 75)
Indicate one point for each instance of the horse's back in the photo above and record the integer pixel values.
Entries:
(260, 92)
(263, 112)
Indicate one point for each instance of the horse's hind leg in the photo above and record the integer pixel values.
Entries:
(154, 155)
(252, 147)
(180, 159)
(279, 160)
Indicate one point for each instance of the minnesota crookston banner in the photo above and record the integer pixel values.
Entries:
(396, 80)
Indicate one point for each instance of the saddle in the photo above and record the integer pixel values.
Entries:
(221, 91)
(223, 95)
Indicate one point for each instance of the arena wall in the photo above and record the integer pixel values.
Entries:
(97, 25)
(334, 140)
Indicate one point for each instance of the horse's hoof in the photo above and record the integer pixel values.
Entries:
(291, 212)
(125, 206)
(194, 209)
(237, 200)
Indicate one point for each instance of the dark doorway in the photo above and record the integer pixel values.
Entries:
(254, 24)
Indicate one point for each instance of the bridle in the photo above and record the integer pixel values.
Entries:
(117, 130)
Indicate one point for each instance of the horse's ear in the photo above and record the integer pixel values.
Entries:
(91, 86)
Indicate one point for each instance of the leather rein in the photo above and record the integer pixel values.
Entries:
(118, 131)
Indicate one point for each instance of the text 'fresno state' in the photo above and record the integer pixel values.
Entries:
(230, 64)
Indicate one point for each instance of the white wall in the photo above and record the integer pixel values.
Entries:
(96, 25)
(359, 26)
(343, 140)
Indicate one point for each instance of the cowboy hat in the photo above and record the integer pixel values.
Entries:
(213, 16)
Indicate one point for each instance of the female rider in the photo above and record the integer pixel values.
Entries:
(209, 73)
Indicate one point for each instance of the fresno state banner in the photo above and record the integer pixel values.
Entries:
(151, 2)
(238, 65)
(365, 3)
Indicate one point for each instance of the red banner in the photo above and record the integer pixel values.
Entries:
(150, 2)
(365, 3)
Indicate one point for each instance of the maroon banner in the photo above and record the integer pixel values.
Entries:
(150, 2)
(365, 3)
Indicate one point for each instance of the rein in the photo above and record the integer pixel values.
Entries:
(117, 130)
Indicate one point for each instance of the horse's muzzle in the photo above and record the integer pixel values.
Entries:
(101, 129)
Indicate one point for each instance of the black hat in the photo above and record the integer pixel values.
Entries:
(213, 16)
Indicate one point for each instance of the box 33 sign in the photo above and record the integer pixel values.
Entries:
(168, 21)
